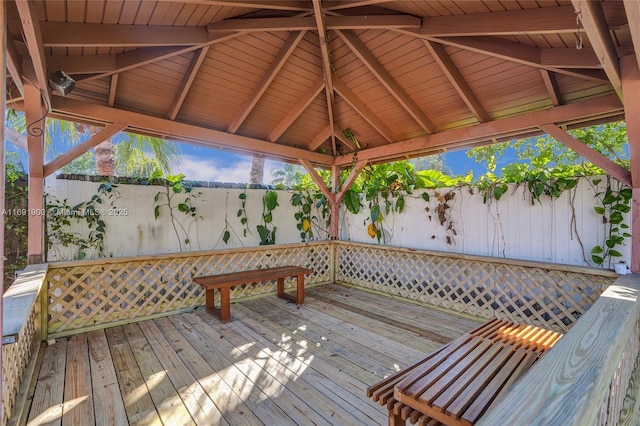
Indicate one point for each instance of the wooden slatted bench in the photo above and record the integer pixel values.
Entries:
(457, 383)
(224, 282)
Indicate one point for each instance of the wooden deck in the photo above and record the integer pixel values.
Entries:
(275, 363)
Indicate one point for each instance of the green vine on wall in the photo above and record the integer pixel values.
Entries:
(242, 214)
(267, 230)
(60, 214)
(176, 187)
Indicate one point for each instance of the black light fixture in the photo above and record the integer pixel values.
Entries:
(62, 83)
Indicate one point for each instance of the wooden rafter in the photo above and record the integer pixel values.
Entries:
(632, 9)
(447, 66)
(544, 20)
(326, 66)
(577, 63)
(71, 109)
(68, 34)
(353, 175)
(64, 159)
(614, 169)
(278, 62)
(481, 134)
(318, 180)
(383, 22)
(15, 138)
(591, 15)
(319, 139)
(339, 5)
(113, 88)
(371, 62)
(33, 38)
(362, 109)
(297, 109)
(294, 5)
(147, 55)
(551, 84)
(14, 66)
(187, 81)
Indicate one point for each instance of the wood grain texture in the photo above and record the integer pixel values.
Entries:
(572, 380)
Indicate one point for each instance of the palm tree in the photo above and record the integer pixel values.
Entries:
(106, 161)
(256, 175)
(290, 175)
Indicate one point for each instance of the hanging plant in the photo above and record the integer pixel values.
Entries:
(266, 230)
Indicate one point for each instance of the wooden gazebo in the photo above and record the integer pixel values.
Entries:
(285, 79)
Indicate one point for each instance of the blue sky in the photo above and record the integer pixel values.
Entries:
(199, 163)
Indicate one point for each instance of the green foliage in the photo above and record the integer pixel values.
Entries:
(306, 218)
(288, 177)
(614, 203)
(15, 225)
(242, 214)
(266, 230)
(170, 199)
(60, 214)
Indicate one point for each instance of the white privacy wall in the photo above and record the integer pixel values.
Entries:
(510, 227)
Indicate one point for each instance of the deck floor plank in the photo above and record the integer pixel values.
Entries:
(138, 403)
(166, 399)
(274, 363)
(108, 405)
(78, 395)
(49, 393)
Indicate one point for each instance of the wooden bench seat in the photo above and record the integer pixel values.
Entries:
(457, 383)
(224, 282)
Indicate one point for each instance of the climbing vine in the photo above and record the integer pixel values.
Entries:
(266, 230)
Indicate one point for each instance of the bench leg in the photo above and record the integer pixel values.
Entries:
(224, 312)
(300, 294)
(280, 288)
(395, 419)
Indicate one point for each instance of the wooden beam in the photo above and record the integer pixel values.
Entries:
(70, 34)
(317, 141)
(297, 109)
(83, 64)
(34, 113)
(301, 23)
(631, 90)
(326, 67)
(481, 134)
(371, 62)
(15, 137)
(632, 9)
(317, 179)
(544, 20)
(14, 66)
(362, 109)
(252, 4)
(75, 110)
(146, 55)
(33, 38)
(530, 55)
(339, 5)
(353, 175)
(75, 152)
(187, 81)
(450, 70)
(591, 15)
(613, 169)
(551, 84)
(276, 65)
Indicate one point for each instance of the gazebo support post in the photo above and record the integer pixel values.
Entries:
(35, 113)
(3, 53)
(631, 90)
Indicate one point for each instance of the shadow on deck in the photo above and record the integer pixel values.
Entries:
(275, 363)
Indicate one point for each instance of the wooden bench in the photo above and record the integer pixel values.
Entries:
(224, 282)
(456, 384)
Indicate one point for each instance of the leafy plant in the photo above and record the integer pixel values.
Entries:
(59, 217)
(306, 201)
(175, 186)
(614, 202)
(242, 214)
(269, 204)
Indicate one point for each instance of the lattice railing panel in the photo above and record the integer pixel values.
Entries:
(552, 297)
(83, 294)
(15, 358)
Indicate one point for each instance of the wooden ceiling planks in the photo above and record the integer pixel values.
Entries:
(382, 88)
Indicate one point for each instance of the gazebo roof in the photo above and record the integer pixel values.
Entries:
(285, 79)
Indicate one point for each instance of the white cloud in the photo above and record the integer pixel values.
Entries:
(220, 170)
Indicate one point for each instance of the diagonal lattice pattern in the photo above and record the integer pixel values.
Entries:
(83, 294)
(549, 296)
(15, 358)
